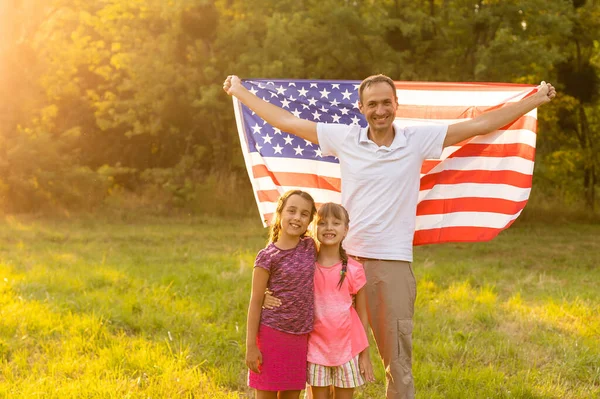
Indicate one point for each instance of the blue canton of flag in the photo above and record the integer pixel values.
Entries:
(318, 101)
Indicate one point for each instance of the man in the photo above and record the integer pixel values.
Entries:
(380, 167)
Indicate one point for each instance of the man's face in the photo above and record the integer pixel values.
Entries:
(379, 106)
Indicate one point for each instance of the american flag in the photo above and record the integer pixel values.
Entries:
(475, 190)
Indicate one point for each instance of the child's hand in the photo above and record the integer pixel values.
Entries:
(364, 364)
(253, 358)
(270, 302)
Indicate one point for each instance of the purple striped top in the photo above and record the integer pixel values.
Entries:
(291, 278)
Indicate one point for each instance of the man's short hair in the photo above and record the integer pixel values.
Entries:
(373, 79)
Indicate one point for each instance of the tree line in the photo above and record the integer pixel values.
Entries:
(110, 99)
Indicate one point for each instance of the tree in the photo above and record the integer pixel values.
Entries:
(579, 78)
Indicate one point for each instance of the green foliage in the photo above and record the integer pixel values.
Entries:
(38, 174)
(134, 87)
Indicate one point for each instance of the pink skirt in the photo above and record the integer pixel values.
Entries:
(284, 361)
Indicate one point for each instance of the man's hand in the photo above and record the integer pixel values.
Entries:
(232, 84)
(546, 92)
(253, 358)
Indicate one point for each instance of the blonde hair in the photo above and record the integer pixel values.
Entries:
(275, 227)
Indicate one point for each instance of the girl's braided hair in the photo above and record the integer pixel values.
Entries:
(275, 227)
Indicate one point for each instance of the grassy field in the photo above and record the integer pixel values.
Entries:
(155, 308)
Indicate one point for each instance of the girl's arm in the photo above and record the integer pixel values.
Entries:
(260, 278)
(270, 301)
(364, 358)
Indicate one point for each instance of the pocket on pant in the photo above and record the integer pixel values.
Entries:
(405, 328)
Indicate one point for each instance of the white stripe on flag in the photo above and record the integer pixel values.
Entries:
(458, 219)
(434, 98)
(477, 190)
(294, 165)
(515, 164)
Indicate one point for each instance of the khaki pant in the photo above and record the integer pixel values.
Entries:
(391, 292)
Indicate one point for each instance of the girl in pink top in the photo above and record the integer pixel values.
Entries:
(338, 348)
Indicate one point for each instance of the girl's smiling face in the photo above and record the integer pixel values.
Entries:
(295, 216)
(331, 230)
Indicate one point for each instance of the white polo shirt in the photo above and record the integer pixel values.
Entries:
(380, 185)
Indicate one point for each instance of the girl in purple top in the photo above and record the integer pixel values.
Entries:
(277, 341)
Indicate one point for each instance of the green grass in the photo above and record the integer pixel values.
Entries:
(156, 307)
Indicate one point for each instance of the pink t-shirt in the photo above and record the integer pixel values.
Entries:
(338, 334)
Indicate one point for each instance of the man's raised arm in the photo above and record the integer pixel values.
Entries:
(494, 120)
(275, 116)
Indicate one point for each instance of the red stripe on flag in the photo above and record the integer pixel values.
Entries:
(456, 234)
(267, 195)
(297, 179)
(495, 150)
(476, 176)
(469, 204)
(429, 164)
